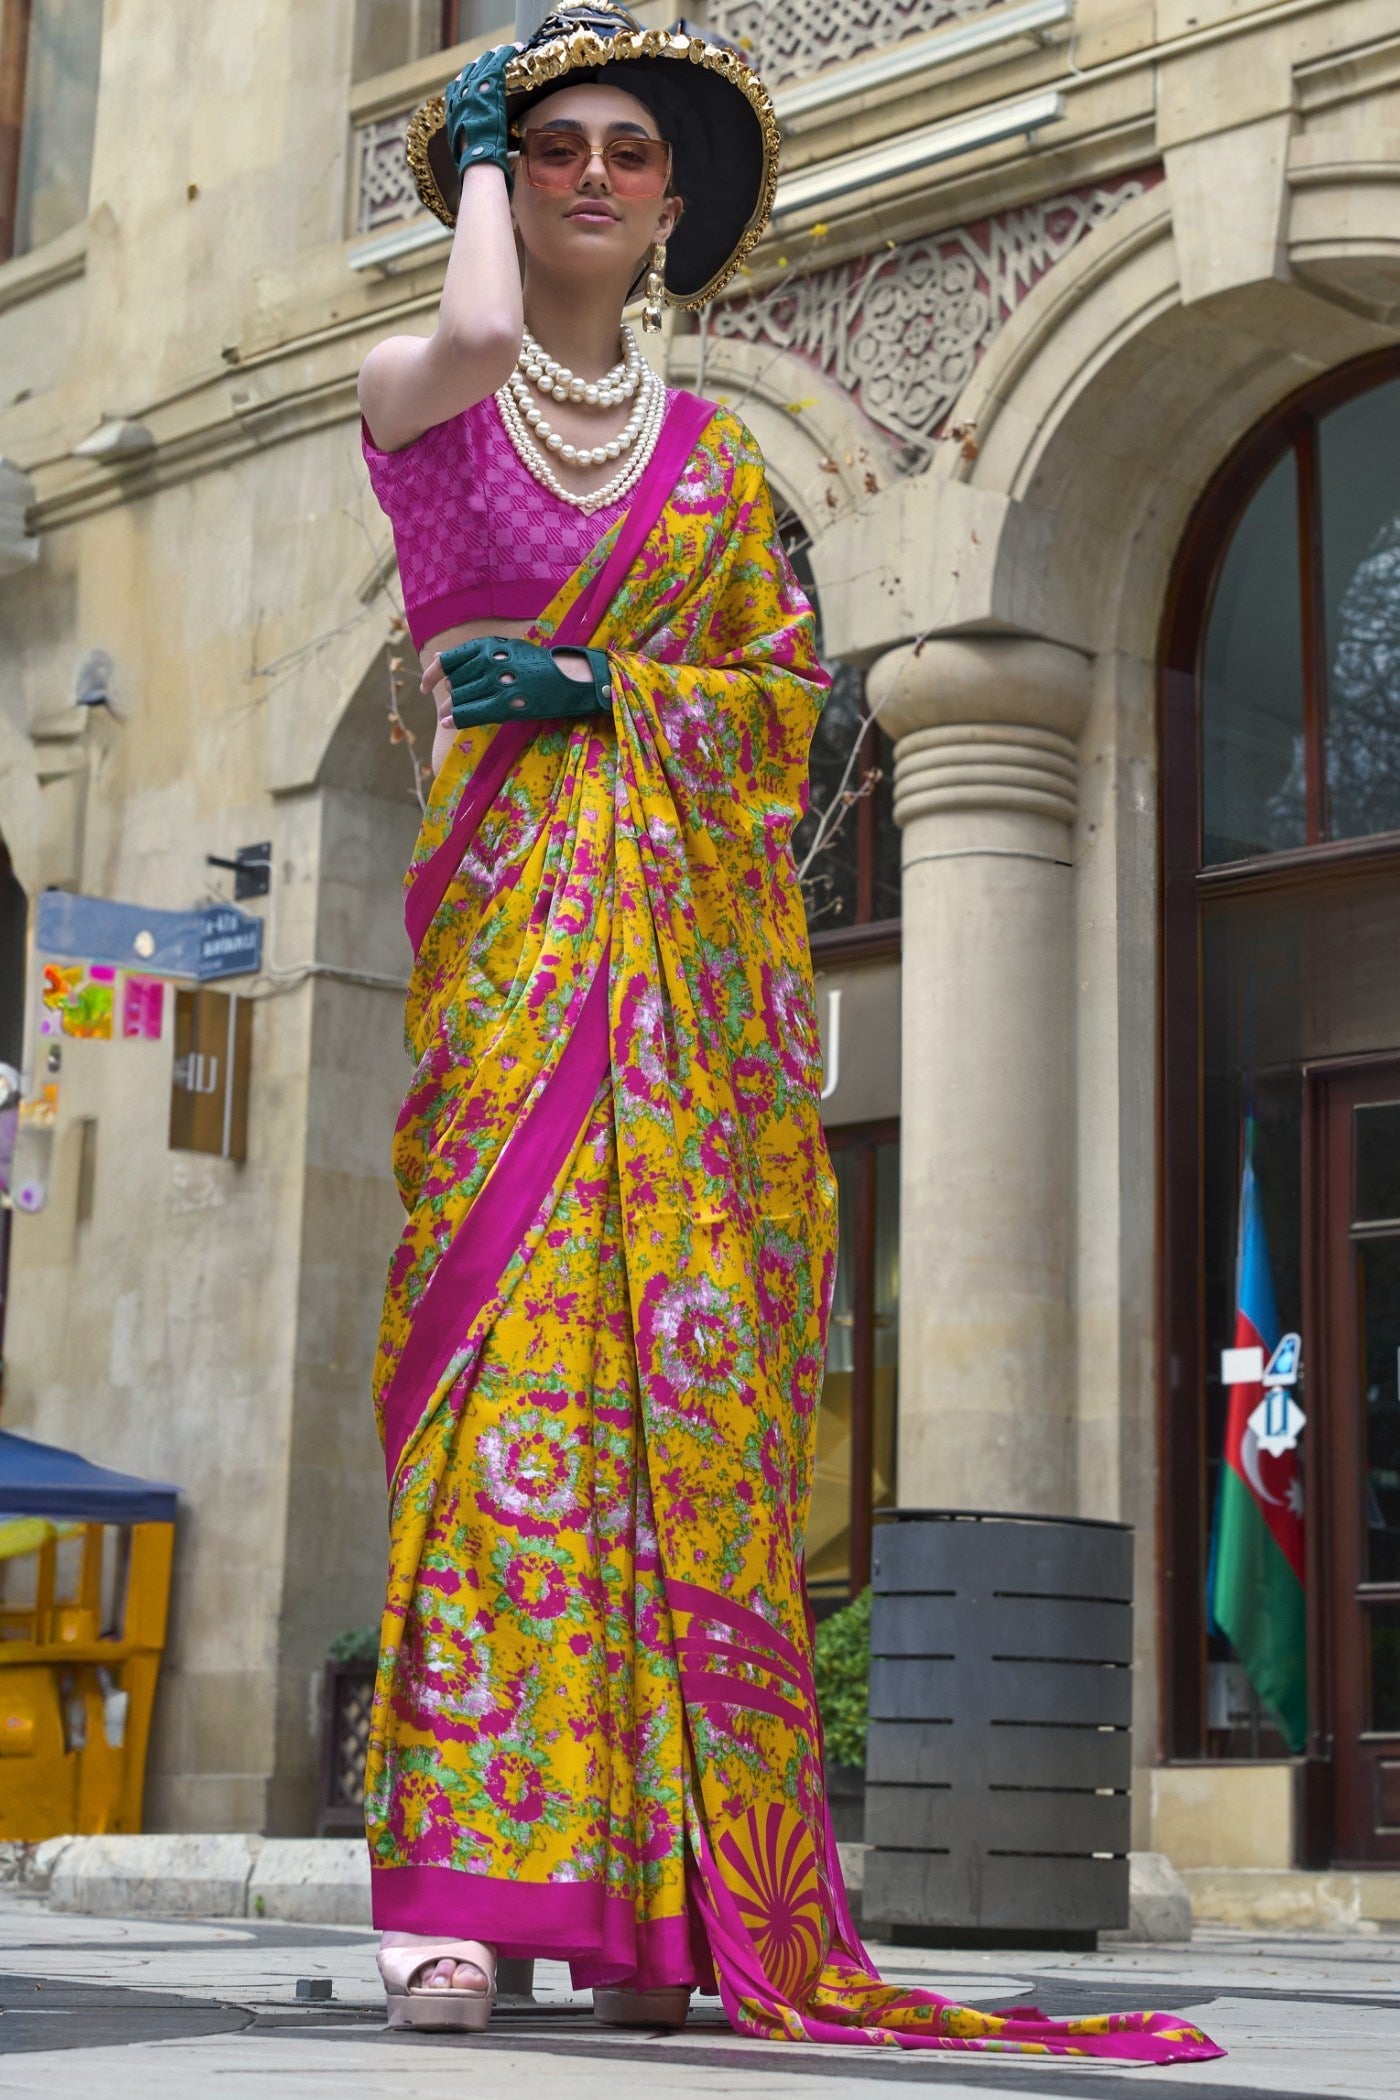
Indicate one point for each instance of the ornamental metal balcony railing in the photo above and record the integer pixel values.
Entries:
(788, 40)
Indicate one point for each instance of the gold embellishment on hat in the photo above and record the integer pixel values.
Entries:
(541, 64)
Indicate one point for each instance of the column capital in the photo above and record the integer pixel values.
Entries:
(953, 680)
(985, 729)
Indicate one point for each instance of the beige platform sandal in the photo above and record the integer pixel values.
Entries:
(663, 2008)
(468, 2011)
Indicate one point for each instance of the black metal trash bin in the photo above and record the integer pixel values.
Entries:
(998, 1760)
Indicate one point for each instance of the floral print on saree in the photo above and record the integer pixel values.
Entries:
(595, 1732)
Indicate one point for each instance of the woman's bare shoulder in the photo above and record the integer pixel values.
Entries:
(409, 384)
(386, 390)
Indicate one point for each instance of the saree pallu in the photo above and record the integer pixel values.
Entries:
(595, 1734)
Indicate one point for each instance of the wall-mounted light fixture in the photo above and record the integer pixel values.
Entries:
(115, 442)
(806, 100)
(913, 150)
(402, 249)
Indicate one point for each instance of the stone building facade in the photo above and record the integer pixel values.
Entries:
(1051, 290)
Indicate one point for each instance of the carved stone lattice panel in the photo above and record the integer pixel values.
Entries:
(786, 38)
(902, 331)
(386, 192)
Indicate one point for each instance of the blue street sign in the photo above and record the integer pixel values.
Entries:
(230, 943)
(215, 941)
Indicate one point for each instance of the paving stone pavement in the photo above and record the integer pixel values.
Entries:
(145, 2009)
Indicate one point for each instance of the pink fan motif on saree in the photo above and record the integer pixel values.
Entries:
(770, 1869)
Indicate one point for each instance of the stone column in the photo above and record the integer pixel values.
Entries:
(985, 789)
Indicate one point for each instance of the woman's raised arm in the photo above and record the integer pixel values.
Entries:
(408, 383)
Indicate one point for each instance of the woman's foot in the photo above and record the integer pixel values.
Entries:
(662, 2008)
(435, 1982)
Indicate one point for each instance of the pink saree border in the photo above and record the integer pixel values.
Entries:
(686, 417)
(468, 1273)
(1029, 2034)
(706, 1688)
(598, 1934)
(709, 1604)
(691, 1648)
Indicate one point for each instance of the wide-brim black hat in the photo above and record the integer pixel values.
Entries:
(706, 100)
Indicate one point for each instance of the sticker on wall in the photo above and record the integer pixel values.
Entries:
(60, 982)
(79, 1000)
(1285, 1363)
(1277, 1421)
(143, 1007)
(33, 1153)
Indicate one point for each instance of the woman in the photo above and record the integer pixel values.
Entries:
(595, 1734)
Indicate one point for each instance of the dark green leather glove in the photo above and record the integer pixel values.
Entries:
(477, 130)
(501, 680)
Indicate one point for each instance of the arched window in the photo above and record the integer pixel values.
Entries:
(1280, 1034)
(1300, 655)
(50, 53)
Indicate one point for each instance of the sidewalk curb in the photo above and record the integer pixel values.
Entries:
(325, 1881)
(302, 1881)
(1159, 1903)
(195, 1876)
(311, 1881)
(1269, 1899)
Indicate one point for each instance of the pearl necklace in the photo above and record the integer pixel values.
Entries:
(535, 368)
(552, 440)
(548, 376)
(528, 432)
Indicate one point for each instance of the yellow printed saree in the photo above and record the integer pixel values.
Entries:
(595, 1733)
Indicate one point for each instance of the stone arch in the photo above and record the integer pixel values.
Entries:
(1010, 600)
(800, 419)
(350, 823)
(1109, 399)
(1105, 403)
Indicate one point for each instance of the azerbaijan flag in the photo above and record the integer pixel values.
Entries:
(1256, 1573)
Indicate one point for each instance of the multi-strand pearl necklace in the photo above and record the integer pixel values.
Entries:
(533, 437)
(546, 373)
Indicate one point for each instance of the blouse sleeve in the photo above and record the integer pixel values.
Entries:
(391, 474)
(414, 481)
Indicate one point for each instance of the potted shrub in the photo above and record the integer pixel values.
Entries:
(842, 1670)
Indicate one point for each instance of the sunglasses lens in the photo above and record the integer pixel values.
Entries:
(638, 167)
(555, 160)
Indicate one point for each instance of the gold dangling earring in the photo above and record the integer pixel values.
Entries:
(655, 288)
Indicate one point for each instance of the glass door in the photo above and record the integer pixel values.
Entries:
(1359, 1203)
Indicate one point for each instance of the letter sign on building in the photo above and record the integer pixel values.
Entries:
(209, 1082)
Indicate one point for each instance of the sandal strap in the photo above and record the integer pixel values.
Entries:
(398, 1966)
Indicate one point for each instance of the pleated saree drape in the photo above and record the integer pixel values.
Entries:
(595, 1733)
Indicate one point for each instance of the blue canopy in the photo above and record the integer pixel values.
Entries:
(39, 1480)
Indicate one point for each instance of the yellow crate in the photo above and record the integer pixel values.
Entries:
(75, 1706)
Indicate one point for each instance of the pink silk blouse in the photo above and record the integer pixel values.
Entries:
(477, 537)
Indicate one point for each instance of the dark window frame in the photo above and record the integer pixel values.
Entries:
(448, 22)
(16, 17)
(863, 938)
(1186, 890)
(863, 1139)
